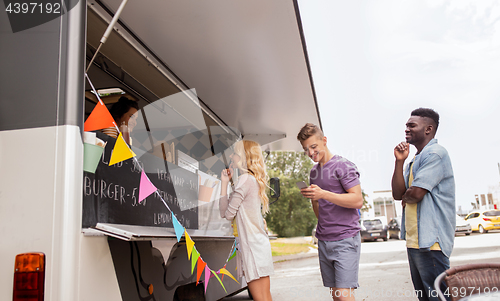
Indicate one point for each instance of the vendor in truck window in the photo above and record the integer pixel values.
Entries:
(124, 112)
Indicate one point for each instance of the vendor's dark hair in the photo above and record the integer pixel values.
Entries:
(122, 106)
(426, 112)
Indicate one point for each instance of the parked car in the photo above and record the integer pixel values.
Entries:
(485, 220)
(373, 229)
(394, 228)
(462, 226)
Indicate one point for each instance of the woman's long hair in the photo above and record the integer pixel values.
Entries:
(252, 162)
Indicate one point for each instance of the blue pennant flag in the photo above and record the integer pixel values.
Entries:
(179, 229)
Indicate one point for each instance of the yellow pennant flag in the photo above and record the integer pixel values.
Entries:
(219, 280)
(226, 272)
(189, 243)
(121, 152)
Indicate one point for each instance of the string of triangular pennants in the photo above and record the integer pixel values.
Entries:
(100, 118)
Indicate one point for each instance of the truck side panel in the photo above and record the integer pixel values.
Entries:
(40, 205)
(97, 273)
(41, 150)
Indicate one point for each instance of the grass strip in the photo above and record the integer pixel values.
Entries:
(279, 248)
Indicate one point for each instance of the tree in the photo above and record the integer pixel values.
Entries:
(292, 214)
(366, 206)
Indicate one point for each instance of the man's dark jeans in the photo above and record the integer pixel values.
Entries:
(425, 266)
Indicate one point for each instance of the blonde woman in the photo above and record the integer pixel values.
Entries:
(246, 204)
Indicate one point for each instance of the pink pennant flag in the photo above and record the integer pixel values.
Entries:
(207, 277)
(145, 187)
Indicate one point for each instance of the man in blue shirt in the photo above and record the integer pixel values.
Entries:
(427, 190)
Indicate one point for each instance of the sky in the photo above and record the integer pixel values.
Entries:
(373, 62)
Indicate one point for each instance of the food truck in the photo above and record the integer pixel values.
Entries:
(204, 74)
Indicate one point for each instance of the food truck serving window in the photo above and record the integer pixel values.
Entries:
(172, 153)
(170, 143)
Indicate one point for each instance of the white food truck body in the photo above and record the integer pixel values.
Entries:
(248, 64)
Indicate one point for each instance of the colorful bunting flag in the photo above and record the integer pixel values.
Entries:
(189, 243)
(223, 271)
(207, 277)
(194, 259)
(179, 229)
(145, 187)
(199, 269)
(100, 118)
(222, 277)
(219, 280)
(121, 152)
(232, 255)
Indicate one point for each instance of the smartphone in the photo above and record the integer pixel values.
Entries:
(302, 185)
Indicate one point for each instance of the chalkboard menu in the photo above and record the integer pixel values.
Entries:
(111, 194)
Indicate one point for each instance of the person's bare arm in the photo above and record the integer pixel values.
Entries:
(398, 181)
(401, 152)
(315, 206)
(224, 200)
(414, 195)
(352, 199)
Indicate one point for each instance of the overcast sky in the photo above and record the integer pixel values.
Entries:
(373, 62)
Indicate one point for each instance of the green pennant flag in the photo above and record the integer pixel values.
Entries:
(194, 259)
(232, 256)
(216, 276)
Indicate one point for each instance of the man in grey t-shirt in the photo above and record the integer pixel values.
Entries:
(335, 194)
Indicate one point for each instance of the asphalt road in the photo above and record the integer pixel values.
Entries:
(384, 272)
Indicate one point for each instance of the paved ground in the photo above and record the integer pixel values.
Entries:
(384, 272)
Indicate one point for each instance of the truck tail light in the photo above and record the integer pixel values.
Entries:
(29, 277)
